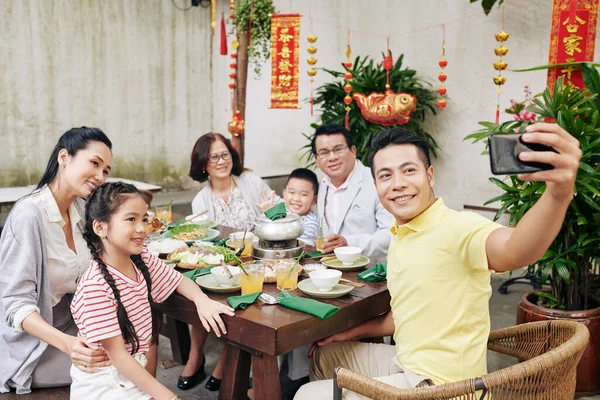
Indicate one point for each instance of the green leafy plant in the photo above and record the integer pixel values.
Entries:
(569, 263)
(487, 5)
(368, 77)
(258, 13)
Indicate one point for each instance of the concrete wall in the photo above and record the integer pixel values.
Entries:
(150, 75)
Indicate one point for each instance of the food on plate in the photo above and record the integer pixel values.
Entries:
(196, 234)
(165, 246)
(203, 256)
(154, 225)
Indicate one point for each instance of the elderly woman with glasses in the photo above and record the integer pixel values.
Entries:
(233, 198)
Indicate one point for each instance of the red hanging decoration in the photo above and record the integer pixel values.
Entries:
(311, 72)
(441, 103)
(348, 86)
(231, 9)
(236, 126)
(500, 65)
(388, 108)
(223, 36)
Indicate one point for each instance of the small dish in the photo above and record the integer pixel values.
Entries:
(339, 290)
(208, 282)
(308, 268)
(355, 266)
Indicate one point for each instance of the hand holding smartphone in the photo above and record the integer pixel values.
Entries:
(504, 154)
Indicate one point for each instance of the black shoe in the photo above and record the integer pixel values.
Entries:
(188, 382)
(213, 384)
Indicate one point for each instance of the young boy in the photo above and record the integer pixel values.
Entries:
(299, 195)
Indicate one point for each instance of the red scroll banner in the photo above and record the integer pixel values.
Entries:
(285, 39)
(572, 38)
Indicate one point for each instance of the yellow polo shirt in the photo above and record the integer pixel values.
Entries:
(439, 283)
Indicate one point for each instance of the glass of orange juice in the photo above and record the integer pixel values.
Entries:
(236, 242)
(286, 274)
(252, 280)
(164, 214)
(319, 242)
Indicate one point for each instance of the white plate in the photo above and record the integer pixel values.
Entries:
(209, 283)
(357, 265)
(339, 290)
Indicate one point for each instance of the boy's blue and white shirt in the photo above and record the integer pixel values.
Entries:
(311, 227)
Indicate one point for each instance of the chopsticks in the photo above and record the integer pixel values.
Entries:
(193, 217)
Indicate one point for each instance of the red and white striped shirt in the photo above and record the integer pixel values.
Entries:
(94, 307)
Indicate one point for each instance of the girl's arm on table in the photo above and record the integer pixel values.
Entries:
(208, 310)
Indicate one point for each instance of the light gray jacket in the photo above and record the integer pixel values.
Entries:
(251, 187)
(23, 282)
(363, 220)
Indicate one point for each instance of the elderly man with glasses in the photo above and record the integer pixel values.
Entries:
(347, 203)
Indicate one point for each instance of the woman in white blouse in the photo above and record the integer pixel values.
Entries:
(234, 198)
(42, 256)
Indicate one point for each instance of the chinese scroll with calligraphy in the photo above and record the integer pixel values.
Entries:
(572, 38)
(285, 36)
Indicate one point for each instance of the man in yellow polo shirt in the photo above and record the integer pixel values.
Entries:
(439, 265)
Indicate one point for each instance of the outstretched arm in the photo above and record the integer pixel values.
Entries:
(376, 327)
(208, 310)
(511, 248)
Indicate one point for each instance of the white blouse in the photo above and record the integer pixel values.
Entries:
(235, 214)
(64, 266)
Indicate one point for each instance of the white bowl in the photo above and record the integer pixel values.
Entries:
(325, 279)
(219, 275)
(347, 254)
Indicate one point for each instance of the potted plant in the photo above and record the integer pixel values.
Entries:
(570, 262)
(367, 77)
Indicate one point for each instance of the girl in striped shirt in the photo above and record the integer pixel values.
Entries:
(112, 306)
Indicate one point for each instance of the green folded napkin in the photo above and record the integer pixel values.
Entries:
(376, 274)
(221, 243)
(243, 301)
(193, 274)
(276, 212)
(314, 254)
(309, 306)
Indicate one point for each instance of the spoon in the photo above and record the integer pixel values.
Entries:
(227, 271)
(267, 298)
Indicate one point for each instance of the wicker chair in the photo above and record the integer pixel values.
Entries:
(550, 351)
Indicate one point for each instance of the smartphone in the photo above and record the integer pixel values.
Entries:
(504, 154)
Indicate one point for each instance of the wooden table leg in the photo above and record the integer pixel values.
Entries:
(235, 374)
(179, 335)
(265, 375)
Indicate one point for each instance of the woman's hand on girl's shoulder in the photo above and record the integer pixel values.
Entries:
(84, 357)
(209, 312)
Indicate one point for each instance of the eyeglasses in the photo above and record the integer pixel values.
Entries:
(337, 150)
(214, 158)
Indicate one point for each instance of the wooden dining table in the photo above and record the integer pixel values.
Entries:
(257, 335)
